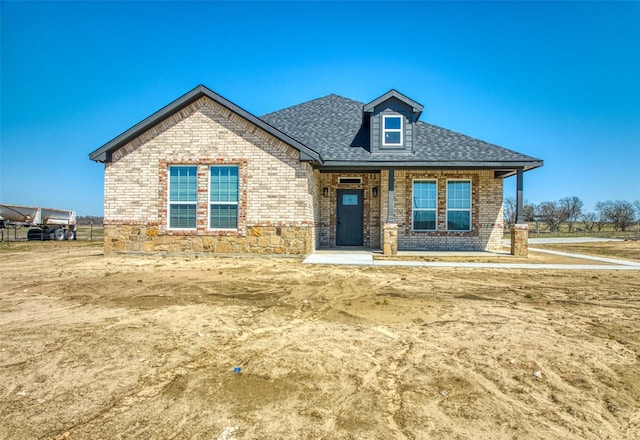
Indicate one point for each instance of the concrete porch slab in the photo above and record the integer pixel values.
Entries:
(359, 257)
(341, 256)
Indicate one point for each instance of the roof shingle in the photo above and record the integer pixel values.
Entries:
(332, 126)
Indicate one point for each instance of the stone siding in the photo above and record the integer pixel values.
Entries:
(520, 240)
(264, 240)
(390, 239)
(276, 201)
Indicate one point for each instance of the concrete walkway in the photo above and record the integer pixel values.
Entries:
(365, 258)
(554, 240)
(613, 261)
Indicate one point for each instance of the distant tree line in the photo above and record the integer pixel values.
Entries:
(88, 219)
(620, 214)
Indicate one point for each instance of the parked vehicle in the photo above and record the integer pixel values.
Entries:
(44, 223)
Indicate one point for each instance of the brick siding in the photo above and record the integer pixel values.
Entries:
(486, 211)
(328, 206)
(276, 210)
(276, 189)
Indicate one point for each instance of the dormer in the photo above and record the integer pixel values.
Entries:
(391, 119)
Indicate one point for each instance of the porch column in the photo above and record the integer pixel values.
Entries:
(519, 198)
(520, 230)
(390, 230)
(390, 205)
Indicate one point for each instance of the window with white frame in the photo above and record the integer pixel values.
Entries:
(425, 201)
(459, 205)
(391, 130)
(223, 197)
(182, 196)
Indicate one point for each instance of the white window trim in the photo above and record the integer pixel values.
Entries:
(169, 202)
(393, 130)
(413, 209)
(209, 202)
(446, 201)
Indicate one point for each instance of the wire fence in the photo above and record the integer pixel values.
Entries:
(91, 233)
(607, 231)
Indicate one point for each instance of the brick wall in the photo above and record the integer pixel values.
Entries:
(486, 211)
(276, 189)
(328, 206)
(277, 213)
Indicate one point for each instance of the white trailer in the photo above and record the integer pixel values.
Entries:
(45, 223)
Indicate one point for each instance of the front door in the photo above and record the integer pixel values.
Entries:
(350, 217)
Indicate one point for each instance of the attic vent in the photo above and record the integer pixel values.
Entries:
(351, 180)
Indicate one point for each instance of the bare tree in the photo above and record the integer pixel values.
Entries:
(509, 211)
(535, 214)
(600, 208)
(89, 219)
(572, 208)
(620, 213)
(552, 214)
(529, 211)
(589, 219)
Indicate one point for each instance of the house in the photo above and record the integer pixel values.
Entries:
(204, 175)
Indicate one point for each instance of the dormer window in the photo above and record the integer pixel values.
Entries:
(390, 121)
(391, 130)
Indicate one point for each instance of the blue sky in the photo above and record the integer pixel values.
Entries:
(555, 80)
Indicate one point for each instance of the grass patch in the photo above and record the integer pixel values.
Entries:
(628, 249)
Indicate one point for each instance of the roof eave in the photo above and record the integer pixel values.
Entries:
(497, 165)
(103, 154)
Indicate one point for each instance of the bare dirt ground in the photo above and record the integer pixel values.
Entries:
(145, 347)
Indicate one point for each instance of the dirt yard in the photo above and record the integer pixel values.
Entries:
(145, 348)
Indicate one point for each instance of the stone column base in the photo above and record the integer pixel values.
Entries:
(390, 239)
(520, 240)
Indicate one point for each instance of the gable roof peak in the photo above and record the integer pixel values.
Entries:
(393, 93)
(104, 153)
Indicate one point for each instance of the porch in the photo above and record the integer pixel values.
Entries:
(544, 260)
(375, 257)
(436, 210)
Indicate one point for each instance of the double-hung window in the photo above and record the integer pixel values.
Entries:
(392, 130)
(425, 200)
(182, 196)
(223, 197)
(459, 205)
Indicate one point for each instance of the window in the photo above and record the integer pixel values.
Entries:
(459, 205)
(182, 197)
(425, 199)
(223, 197)
(391, 130)
(350, 199)
(350, 180)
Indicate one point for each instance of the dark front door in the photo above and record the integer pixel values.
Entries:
(350, 217)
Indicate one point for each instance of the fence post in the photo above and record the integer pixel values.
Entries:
(91, 233)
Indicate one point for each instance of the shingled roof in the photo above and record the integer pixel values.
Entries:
(330, 132)
(333, 127)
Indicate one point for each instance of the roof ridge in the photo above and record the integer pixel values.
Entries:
(311, 101)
